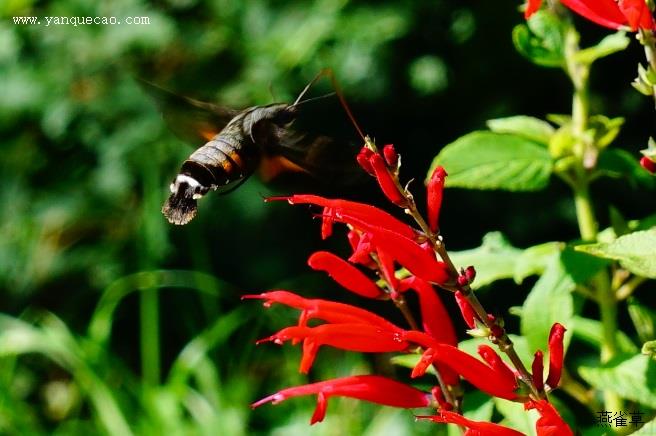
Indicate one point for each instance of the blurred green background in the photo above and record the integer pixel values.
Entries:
(115, 321)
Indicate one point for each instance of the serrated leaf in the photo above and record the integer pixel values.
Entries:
(610, 44)
(635, 251)
(530, 128)
(487, 160)
(631, 377)
(549, 301)
(615, 162)
(591, 332)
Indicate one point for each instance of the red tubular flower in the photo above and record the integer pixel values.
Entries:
(531, 7)
(434, 196)
(467, 311)
(405, 251)
(550, 423)
(343, 210)
(556, 336)
(474, 428)
(329, 311)
(537, 368)
(434, 316)
(375, 389)
(326, 223)
(347, 275)
(385, 180)
(485, 378)
(362, 249)
(439, 397)
(607, 13)
(363, 159)
(391, 156)
(387, 268)
(494, 360)
(351, 337)
(648, 164)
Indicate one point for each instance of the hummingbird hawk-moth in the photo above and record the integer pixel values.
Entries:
(239, 142)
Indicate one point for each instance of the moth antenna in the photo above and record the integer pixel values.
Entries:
(308, 100)
(273, 94)
(329, 72)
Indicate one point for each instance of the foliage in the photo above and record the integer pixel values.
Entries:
(93, 337)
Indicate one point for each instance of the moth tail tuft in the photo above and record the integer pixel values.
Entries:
(180, 208)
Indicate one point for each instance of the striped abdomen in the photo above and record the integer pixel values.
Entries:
(231, 156)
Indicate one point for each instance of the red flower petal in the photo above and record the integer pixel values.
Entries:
(385, 180)
(550, 423)
(375, 389)
(405, 251)
(556, 336)
(344, 209)
(351, 337)
(326, 223)
(434, 316)
(329, 311)
(467, 311)
(474, 371)
(497, 364)
(637, 14)
(391, 156)
(347, 275)
(434, 196)
(603, 12)
(531, 7)
(648, 164)
(363, 159)
(475, 428)
(537, 368)
(387, 268)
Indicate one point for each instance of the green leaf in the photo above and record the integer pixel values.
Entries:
(632, 377)
(579, 266)
(549, 301)
(610, 44)
(494, 260)
(534, 260)
(516, 417)
(648, 429)
(591, 332)
(614, 162)
(530, 128)
(643, 318)
(497, 259)
(649, 349)
(541, 39)
(635, 251)
(487, 160)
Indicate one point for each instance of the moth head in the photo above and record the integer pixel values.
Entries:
(182, 205)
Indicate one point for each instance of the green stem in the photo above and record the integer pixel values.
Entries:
(580, 182)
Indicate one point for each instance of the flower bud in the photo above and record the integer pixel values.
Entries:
(363, 159)
(391, 156)
(537, 368)
(434, 196)
(385, 180)
(648, 164)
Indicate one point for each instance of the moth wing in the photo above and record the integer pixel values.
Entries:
(326, 158)
(189, 119)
